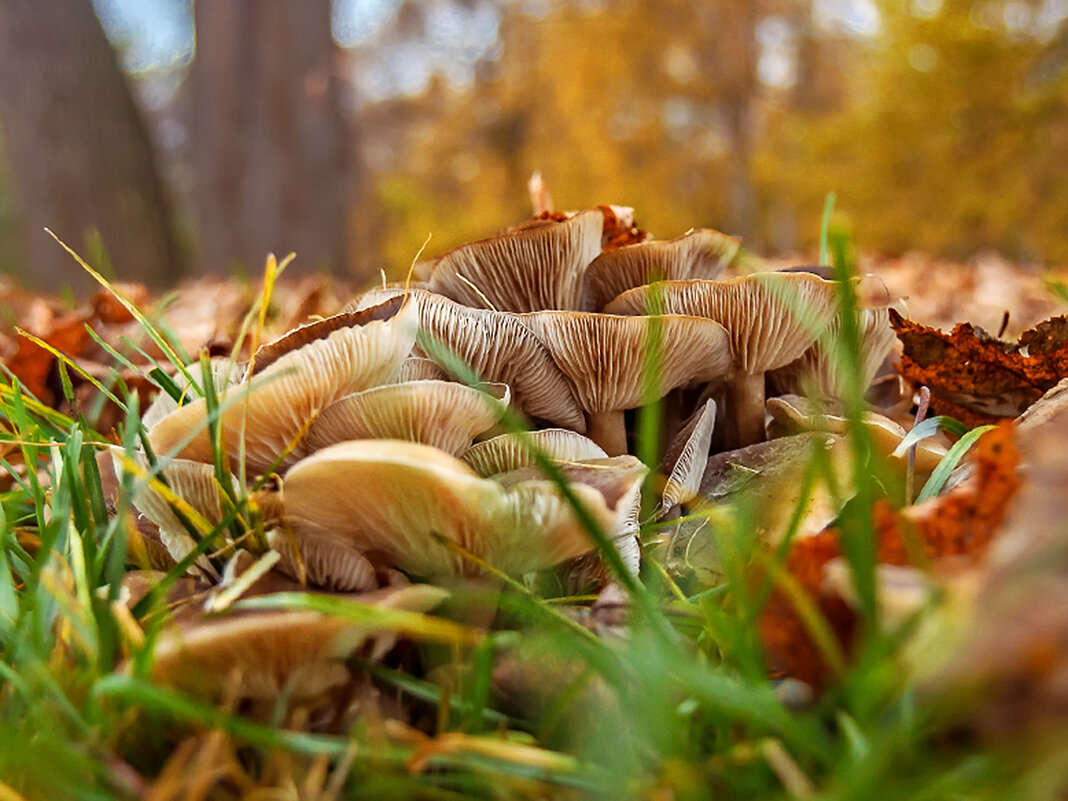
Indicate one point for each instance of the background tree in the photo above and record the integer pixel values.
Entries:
(272, 166)
(79, 155)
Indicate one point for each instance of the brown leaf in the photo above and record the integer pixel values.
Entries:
(959, 523)
(979, 378)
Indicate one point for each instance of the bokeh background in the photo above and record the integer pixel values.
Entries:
(166, 138)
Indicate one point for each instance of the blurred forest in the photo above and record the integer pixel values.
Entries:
(209, 134)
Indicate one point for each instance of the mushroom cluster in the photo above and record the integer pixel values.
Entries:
(409, 434)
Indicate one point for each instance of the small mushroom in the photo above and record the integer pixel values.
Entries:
(267, 653)
(291, 381)
(444, 414)
(513, 451)
(703, 253)
(772, 318)
(606, 357)
(525, 270)
(794, 414)
(412, 494)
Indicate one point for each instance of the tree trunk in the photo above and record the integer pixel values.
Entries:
(271, 155)
(78, 149)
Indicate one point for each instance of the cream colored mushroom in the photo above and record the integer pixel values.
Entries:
(794, 414)
(772, 318)
(525, 270)
(686, 458)
(263, 654)
(411, 494)
(290, 382)
(444, 414)
(514, 451)
(193, 482)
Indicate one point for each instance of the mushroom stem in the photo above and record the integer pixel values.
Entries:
(608, 430)
(745, 410)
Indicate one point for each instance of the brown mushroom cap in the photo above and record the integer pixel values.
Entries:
(513, 451)
(284, 391)
(606, 358)
(444, 414)
(411, 493)
(272, 651)
(703, 253)
(822, 367)
(772, 318)
(496, 347)
(525, 270)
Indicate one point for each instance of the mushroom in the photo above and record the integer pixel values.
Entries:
(606, 357)
(225, 373)
(513, 451)
(772, 318)
(703, 253)
(290, 381)
(320, 558)
(619, 481)
(444, 414)
(412, 494)
(794, 414)
(822, 367)
(270, 652)
(195, 483)
(524, 270)
(496, 347)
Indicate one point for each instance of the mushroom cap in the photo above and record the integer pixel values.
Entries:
(794, 414)
(525, 270)
(193, 482)
(687, 456)
(284, 391)
(497, 347)
(772, 318)
(822, 367)
(702, 253)
(618, 479)
(605, 356)
(411, 492)
(273, 650)
(513, 451)
(225, 374)
(321, 558)
(444, 414)
(418, 368)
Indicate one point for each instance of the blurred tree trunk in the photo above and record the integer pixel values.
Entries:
(78, 148)
(271, 152)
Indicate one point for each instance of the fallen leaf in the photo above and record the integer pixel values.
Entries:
(960, 523)
(979, 378)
